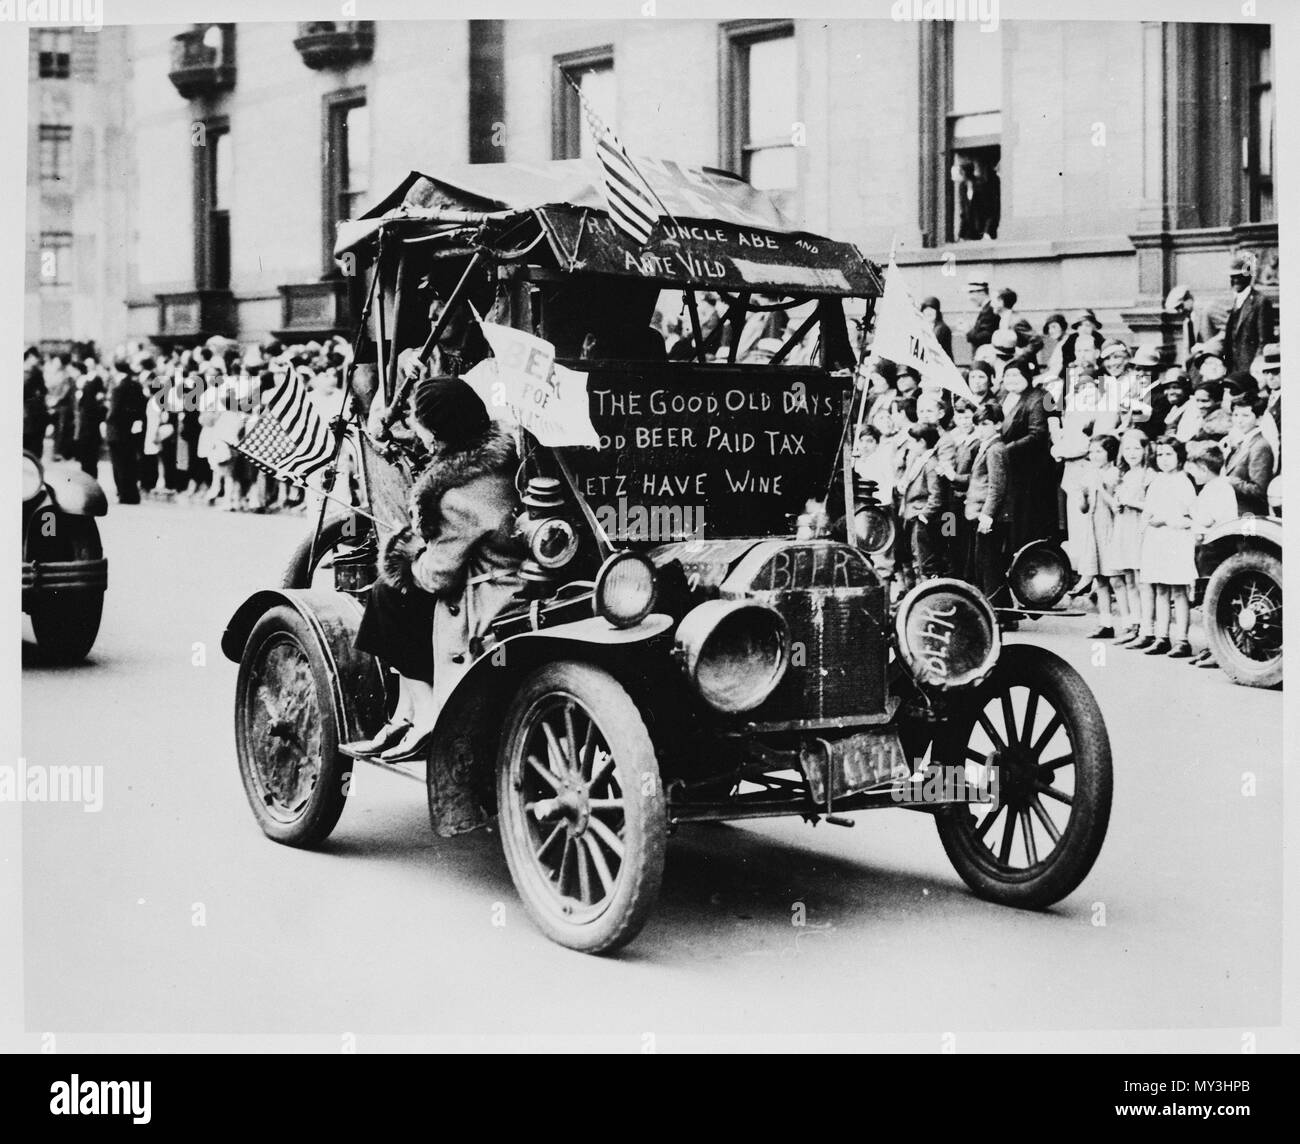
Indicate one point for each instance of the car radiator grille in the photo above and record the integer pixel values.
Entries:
(839, 653)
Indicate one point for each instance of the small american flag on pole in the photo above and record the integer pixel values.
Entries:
(288, 436)
(632, 204)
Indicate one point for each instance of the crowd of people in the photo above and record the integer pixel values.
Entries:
(1124, 456)
(168, 420)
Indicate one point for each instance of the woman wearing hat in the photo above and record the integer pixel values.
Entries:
(1084, 331)
(933, 314)
(445, 576)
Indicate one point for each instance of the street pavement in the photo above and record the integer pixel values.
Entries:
(168, 911)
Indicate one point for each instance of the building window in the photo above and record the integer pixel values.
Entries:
(960, 132)
(592, 72)
(56, 258)
(54, 59)
(760, 107)
(345, 178)
(56, 149)
(213, 185)
(1257, 144)
(974, 125)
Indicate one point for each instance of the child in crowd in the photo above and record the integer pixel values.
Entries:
(1126, 538)
(1216, 504)
(920, 503)
(987, 504)
(1097, 505)
(1168, 550)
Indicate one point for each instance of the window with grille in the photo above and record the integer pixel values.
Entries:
(760, 108)
(54, 53)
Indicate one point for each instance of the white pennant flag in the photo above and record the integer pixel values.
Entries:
(906, 338)
(521, 385)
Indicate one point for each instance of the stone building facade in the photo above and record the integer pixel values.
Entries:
(1084, 164)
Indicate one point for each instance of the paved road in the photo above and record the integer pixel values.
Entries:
(392, 930)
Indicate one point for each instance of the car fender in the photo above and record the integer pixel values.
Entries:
(469, 725)
(1265, 529)
(357, 684)
(76, 493)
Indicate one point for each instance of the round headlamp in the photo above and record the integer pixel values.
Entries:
(874, 529)
(947, 634)
(625, 589)
(734, 652)
(33, 478)
(552, 542)
(1040, 575)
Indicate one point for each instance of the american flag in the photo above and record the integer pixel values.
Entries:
(632, 204)
(288, 436)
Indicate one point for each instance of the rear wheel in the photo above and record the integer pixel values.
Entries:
(66, 624)
(582, 810)
(1037, 721)
(287, 734)
(1243, 618)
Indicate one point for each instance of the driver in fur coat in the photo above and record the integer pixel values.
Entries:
(446, 576)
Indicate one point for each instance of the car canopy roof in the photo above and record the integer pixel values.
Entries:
(717, 231)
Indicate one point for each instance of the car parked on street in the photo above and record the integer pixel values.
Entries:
(65, 573)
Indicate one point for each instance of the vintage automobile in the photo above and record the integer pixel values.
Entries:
(1239, 565)
(65, 573)
(694, 647)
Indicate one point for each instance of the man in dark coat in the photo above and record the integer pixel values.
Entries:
(1250, 324)
(36, 417)
(987, 320)
(89, 416)
(122, 425)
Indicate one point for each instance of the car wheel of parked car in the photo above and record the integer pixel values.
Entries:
(1243, 618)
(286, 732)
(582, 809)
(1035, 720)
(66, 624)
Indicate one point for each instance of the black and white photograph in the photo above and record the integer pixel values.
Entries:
(645, 528)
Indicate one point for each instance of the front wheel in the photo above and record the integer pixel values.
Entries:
(582, 809)
(287, 734)
(1037, 722)
(1243, 618)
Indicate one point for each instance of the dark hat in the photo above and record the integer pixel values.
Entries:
(1090, 316)
(1054, 318)
(1202, 350)
(932, 302)
(449, 409)
(1241, 384)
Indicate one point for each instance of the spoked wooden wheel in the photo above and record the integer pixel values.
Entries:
(1037, 722)
(1243, 618)
(286, 733)
(583, 822)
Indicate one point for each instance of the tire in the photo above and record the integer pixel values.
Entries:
(284, 715)
(66, 624)
(561, 863)
(1246, 584)
(1073, 736)
(337, 531)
